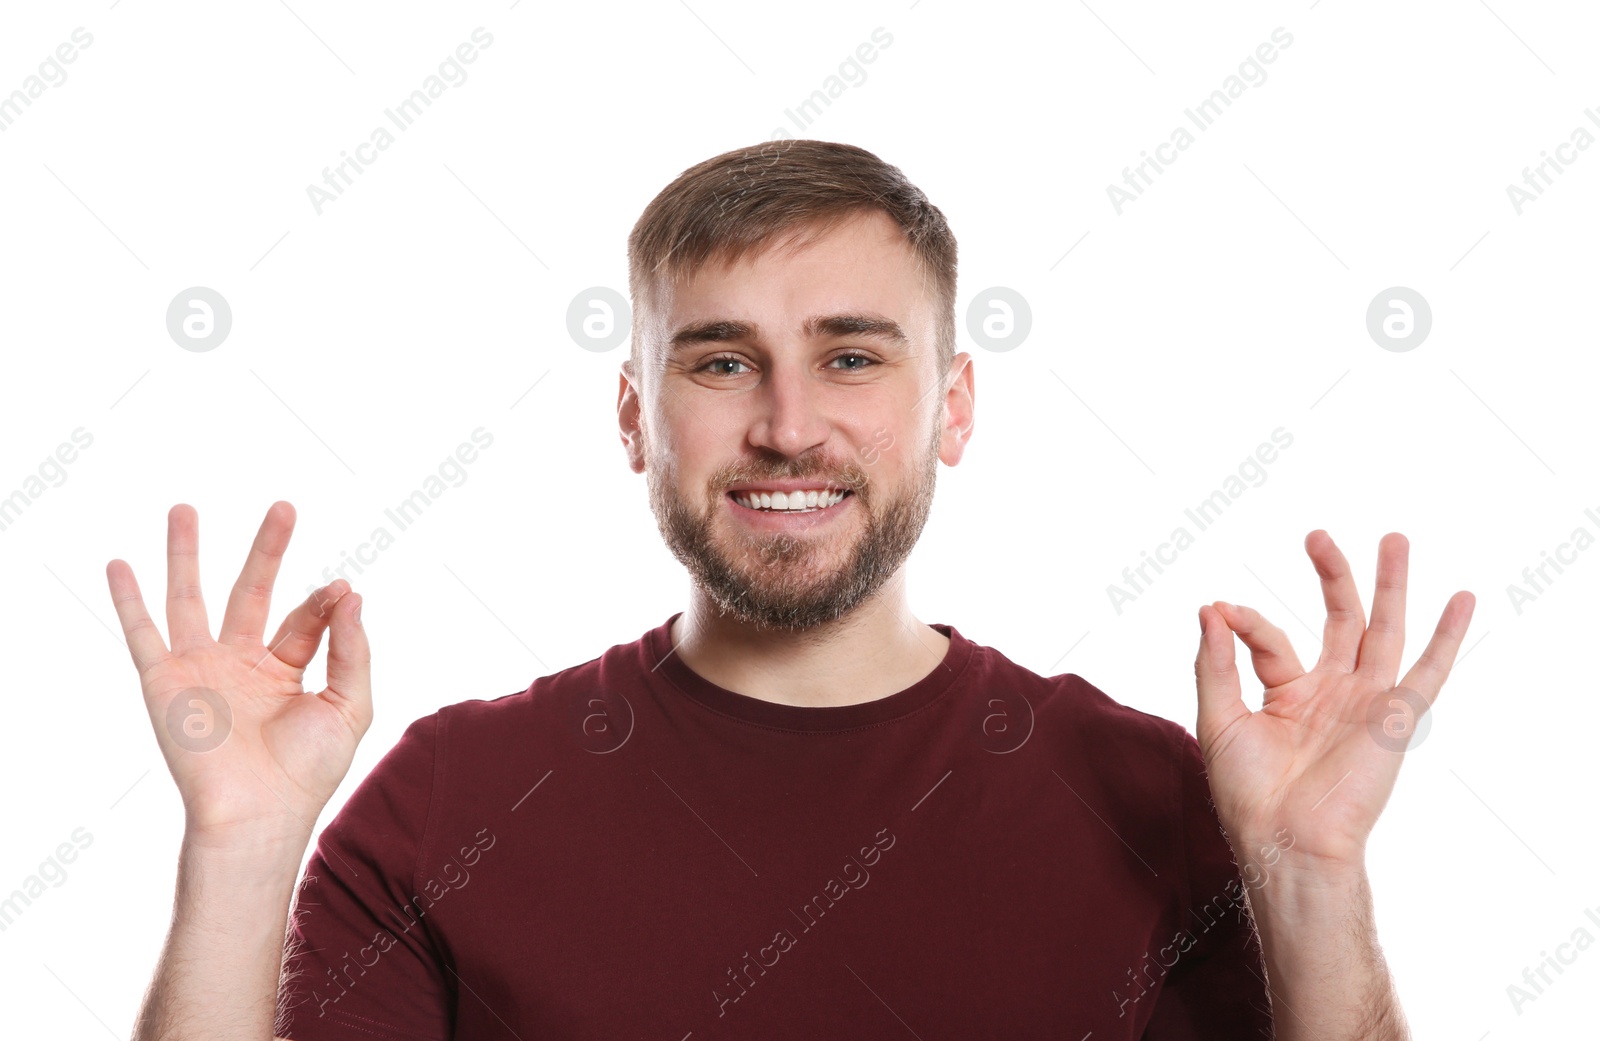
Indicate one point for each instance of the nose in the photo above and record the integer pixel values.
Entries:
(789, 417)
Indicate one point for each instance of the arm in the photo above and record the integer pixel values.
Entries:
(1324, 966)
(1316, 764)
(218, 972)
(255, 758)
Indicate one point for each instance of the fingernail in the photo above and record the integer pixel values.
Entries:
(357, 615)
(1225, 603)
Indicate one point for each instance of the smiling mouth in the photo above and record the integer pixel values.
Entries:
(813, 500)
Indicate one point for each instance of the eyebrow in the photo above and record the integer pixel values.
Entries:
(723, 330)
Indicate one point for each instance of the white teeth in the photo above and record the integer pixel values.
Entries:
(799, 501)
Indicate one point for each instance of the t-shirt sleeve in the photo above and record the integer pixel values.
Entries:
(1216, 990)
(360, 960)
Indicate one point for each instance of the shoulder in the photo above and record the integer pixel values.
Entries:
(1128, 763)
(1073, 706)
(1136, 773)
(1101, 711)
(558, 707)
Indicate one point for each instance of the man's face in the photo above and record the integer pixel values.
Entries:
(795, 373)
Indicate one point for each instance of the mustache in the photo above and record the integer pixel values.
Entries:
(850, 478)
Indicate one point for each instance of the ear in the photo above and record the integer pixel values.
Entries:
(958, 409)
(628, 416)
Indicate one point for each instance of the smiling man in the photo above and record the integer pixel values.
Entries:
(784, 402)
(790, 810)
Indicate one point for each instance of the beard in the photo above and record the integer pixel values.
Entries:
(778, 581)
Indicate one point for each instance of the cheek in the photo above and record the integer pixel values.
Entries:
(691, 435)
(883, 449)
(666, 442)
(683, 459)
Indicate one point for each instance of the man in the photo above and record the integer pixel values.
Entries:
(791, 810)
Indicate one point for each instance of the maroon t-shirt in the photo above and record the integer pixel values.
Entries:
(626, 850)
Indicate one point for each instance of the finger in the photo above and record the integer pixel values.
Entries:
(1216, 680)
(1385, 636)
(350, 664)
(1341, 633)
(1270, 650)
(300, 635)
(246, 616)
(144, 639)
(186, 609)
(1427, 676)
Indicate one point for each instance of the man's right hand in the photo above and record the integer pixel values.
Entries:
(255, 757)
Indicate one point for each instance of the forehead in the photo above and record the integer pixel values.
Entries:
(862, 265)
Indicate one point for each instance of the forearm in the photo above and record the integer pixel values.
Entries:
(1326, 971)
(217, 979)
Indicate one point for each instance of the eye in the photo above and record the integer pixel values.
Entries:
(722, 359)
(866, 362)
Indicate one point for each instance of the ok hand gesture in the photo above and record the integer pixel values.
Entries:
(1320, 757)
(252, 753)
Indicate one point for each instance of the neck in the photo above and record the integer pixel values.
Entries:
(876, 650)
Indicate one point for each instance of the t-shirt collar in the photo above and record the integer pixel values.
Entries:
(664, 665)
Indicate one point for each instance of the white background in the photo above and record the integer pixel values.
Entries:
(1167, 342)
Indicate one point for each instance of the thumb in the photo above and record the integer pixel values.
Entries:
(1216, 678)
(349, 663)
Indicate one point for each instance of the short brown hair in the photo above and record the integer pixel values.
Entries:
(741, 201)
